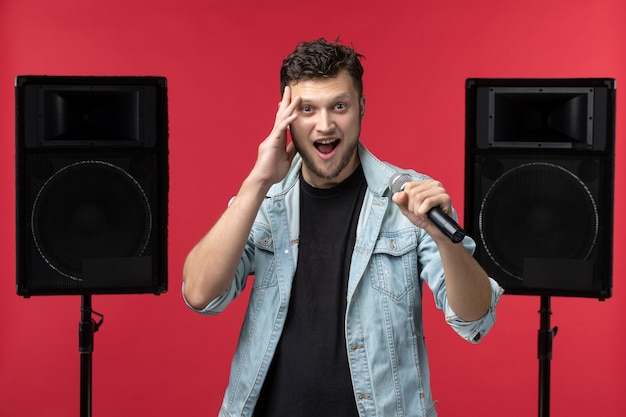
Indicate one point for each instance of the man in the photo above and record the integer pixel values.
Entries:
(334, 322)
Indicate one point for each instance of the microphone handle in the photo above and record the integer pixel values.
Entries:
(447, 226)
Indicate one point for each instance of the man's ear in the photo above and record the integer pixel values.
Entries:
(362, 107)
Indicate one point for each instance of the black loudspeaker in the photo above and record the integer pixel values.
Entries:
(91, 185)
(539, 175)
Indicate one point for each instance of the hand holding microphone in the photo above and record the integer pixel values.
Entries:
(441, 220)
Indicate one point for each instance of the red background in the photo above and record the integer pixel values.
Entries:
(154, 357)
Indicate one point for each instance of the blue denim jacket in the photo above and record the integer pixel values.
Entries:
(384, 333)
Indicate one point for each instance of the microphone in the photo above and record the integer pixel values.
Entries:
(440, 219)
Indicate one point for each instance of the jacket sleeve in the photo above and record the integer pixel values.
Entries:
(432, 274)
(244, 270)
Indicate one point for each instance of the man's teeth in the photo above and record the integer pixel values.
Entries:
(326, 146)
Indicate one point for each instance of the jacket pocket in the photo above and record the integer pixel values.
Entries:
(264, 259)
(393, 269)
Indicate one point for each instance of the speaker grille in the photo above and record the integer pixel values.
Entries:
(537, 210)
(89, 210)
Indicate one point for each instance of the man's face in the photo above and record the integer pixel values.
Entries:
(327, 129)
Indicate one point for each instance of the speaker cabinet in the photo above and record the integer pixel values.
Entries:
(91, 185)
(539, 183)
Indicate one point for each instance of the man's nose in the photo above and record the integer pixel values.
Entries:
(325, 122)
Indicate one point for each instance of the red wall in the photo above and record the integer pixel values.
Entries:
(154, 357)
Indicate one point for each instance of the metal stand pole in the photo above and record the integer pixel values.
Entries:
(86, 329)
(545, 339)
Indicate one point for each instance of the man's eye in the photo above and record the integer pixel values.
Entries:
(340, 106)
(307, 109)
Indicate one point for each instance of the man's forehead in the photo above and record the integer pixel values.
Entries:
(337, 87)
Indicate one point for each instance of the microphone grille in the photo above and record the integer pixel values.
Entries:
(398, 180)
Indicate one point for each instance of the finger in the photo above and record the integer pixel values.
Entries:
(424, 195)
(284, 117)
(288, 104)
(282, 123)
(293, 105)
(286, 98)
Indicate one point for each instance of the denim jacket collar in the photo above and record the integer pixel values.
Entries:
(372, 167)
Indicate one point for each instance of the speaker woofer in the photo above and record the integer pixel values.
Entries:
(90, 210)
(537, 210)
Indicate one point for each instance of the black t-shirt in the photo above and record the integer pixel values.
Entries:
(309, 375)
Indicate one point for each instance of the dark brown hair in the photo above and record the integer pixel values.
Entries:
(320, 59)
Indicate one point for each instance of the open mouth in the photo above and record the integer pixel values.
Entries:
(326, 146)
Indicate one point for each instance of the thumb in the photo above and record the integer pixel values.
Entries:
(401, 199)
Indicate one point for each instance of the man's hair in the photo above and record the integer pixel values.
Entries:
(321, 59)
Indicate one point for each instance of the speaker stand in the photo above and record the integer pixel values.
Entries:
(86, 329)
(546, 336)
